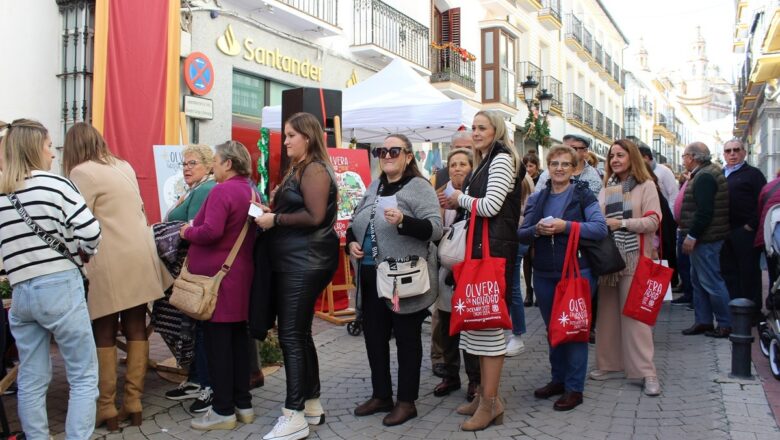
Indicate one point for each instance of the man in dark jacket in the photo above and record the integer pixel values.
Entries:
(740, 261)
(704, 221)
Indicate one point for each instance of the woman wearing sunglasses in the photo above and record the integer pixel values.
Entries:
(398, 218)
(495, 184)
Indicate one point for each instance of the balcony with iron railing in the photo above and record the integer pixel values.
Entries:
(325, 10)
(607, 72)
(525, 69)
(555, 88)
(449, 65)
(587, 41)
(598, 125)
(598, 53)
(574, 30)
(617, 132)
(574, 107)
(587, 115)
(550, 14)
(608, 128)
(380, 28)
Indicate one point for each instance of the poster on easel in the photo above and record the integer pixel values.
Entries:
(353, 175)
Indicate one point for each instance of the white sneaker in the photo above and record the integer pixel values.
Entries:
(212, 420)
(290, 426)
(313, 412)
(246, 415)
(515, 346)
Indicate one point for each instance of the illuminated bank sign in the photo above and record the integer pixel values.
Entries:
(229, 45)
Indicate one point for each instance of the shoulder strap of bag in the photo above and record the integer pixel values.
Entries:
(237, 245)
(641, 238)
(470, 235)
(571, 265)
(54, 243)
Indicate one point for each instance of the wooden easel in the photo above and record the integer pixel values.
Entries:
(340, 317)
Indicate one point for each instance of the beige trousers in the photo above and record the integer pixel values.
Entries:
(622, 343)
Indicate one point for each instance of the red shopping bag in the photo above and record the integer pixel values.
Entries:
(571, 312)
(648, 287)
(478, 302)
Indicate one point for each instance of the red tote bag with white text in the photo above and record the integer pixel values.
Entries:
(571, 311)
(478, 302)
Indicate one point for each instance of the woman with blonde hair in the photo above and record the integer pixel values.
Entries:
(495, 185)
(124, 276)
(623, 344)
(43, 259)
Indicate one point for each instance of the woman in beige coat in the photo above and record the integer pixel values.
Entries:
(124, 276)
(623, 344)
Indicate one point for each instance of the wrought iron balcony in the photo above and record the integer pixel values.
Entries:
(555, 88)
(449, 65)
(599, 122)
(551, 13)
(598, 53)
(525, 69)
(380, 25)
(617, 132)
(325, 10)
(587, 115)
(609, 127)
(574, 107)
(574, 28)
(587, 41)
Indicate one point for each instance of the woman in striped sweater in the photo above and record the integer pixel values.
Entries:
(495, 184)
(48, 291)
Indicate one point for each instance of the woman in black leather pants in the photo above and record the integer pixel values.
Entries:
(304, 254)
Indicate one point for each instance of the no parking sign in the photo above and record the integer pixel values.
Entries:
(198, 73)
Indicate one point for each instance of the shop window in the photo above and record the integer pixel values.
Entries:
(498, 67)
(78, 34)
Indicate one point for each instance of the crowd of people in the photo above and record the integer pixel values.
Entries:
(82, 260)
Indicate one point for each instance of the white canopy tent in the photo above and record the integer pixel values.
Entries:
(394, 100)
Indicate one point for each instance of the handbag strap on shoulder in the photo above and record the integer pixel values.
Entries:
(571, 265)
(237, 245)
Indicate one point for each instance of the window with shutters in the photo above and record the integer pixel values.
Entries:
(449, 61)
(499, 83)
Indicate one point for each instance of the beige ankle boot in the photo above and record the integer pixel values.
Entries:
(137, 360)
(490, 410)
(469, 408)
(106, 403)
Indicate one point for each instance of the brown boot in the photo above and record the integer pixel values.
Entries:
(469, 408)
(106, 403)
(137, 360)
(491, 410)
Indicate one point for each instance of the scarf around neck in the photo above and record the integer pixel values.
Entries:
(618, 206)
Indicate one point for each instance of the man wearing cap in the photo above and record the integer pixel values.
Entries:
(584, 171)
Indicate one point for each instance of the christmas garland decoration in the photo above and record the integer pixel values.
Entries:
(262, 162)
(537, 129)
(463, 53)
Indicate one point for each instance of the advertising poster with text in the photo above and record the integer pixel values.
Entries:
(353, 175)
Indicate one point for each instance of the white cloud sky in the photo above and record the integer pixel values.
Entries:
(669, 27)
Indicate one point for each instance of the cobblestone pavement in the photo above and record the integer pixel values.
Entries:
(699, 401)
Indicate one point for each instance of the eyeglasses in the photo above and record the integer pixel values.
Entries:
(731, 150)
(557, 164)
(189, 164)
(687, 155)
(382, 152)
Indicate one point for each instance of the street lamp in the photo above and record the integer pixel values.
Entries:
(529, 87)
(545, 101)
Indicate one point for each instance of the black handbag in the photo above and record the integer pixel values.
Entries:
(603, 255)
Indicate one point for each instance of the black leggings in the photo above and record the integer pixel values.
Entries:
(295, 294)
(228, 361)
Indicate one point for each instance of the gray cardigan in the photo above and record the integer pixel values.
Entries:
(417, 199)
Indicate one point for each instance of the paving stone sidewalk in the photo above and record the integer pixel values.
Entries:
(699, 401)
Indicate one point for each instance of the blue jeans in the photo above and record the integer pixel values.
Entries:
(569, 362)
(710, 294)
(517, 311)
(684, 267)
(49, 305)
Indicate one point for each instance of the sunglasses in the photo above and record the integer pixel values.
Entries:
(383, 152)
(731, 150)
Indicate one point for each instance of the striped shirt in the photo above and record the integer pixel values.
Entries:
(501, 180)
(56, 205)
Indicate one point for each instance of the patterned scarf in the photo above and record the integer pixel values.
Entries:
(618, 206)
